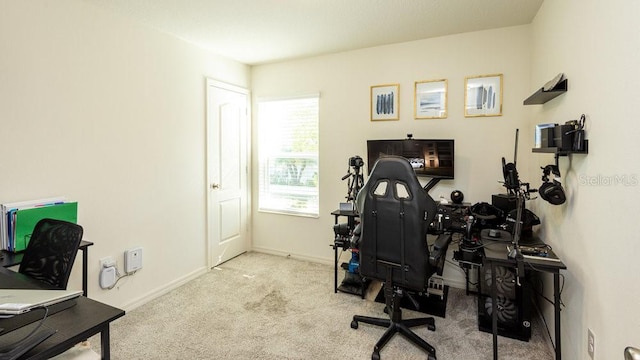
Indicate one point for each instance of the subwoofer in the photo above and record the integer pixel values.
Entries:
(513, 303)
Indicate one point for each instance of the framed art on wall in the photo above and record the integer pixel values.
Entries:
(483, 95)
(430, 99)
(384, 102)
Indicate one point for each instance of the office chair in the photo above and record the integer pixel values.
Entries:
(51, 251)
(395, 213)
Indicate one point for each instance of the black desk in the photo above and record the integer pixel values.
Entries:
(495, 254)
(8, 259)
(74, 325)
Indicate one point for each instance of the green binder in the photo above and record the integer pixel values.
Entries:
(27, 219)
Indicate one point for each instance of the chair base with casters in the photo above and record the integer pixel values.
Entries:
(395, 213)
(395, 324)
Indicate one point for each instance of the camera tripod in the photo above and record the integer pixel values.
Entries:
(356, 179)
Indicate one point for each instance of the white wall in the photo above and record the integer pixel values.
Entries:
(111, 114)
(344, 81)
(596, 45)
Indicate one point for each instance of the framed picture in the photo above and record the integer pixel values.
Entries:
(483, 95)
(430, 99)
(384, 102)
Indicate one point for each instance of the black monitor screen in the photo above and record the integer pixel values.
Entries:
(429, 158)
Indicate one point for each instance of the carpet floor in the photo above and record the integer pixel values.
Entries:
(260, 306)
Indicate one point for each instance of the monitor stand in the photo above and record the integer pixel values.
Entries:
(431, 184)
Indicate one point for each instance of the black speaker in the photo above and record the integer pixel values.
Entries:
(563, 136)
(513, 303)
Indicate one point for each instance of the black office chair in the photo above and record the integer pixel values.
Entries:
(51, 251)
(395, 213)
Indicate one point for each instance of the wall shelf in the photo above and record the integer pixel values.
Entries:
(557, 153)
(541, 96)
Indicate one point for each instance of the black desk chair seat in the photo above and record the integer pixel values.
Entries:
(395, 213)
(51, 251)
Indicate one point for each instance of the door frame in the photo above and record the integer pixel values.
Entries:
(211, 82)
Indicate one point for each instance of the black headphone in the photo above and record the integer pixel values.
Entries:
(551, 191)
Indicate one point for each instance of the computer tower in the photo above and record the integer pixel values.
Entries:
(513, 303)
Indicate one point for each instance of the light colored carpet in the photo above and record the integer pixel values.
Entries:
(260, 306)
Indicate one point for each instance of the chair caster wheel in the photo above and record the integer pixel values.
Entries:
(375, 356)
(432, 328)
(354, 324)
(431, 357)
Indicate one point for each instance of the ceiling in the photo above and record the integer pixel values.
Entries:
(263, 31)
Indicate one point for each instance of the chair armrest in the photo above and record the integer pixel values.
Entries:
(439, 251)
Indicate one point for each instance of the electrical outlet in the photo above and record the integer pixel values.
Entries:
(591, 344)
(106, 262)
(132, 260)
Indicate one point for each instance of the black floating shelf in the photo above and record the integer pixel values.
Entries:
(541, 96)
(555, 150)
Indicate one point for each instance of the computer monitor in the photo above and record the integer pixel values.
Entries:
(433, 158)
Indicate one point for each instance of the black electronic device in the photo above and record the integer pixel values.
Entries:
(487, 215)
(448, 219)
(504, 202)
(528, 219)
(563, 136)
(432, 158)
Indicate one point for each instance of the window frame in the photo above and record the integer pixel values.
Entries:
(269, 193)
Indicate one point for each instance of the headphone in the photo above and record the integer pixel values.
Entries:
(552, 191)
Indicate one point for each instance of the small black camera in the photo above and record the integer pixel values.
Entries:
(356, 161)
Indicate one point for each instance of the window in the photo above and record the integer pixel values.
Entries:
(288, 155)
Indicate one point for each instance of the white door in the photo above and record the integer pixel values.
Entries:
(227, 171)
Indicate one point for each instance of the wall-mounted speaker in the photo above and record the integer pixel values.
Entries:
(513, 303)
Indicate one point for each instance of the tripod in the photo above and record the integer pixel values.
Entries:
(356, 179)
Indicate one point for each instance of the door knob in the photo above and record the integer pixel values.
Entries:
(215, 186)
(631, 353)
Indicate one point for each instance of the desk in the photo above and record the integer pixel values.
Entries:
(74, 325)
(8, 259)
(495, 254)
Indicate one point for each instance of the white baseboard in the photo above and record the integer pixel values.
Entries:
(454, 282)
(164, 289)
(314, 259)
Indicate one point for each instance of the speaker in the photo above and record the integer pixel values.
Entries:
(513, 303)
(563, 137)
